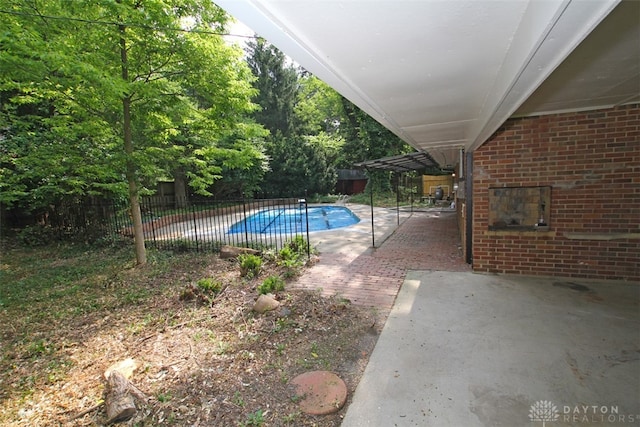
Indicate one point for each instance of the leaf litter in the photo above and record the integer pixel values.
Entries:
(200, 361)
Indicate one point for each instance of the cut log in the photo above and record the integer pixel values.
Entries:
(118, 401)
(233, 251)
(125, 367)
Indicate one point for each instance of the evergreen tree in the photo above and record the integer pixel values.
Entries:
(277, 85)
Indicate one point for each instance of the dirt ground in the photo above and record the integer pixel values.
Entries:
(212, 362)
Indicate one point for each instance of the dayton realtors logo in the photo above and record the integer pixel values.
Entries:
(545, 411)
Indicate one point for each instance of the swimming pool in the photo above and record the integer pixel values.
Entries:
(294, 220)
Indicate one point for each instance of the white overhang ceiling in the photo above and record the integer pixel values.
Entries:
(444, 75)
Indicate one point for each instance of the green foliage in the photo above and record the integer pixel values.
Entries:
(36, 235)
(238, 400)
(298, 244)
(209, 285)
(286, 256)
(249, 265)
(318, 107)
(254, 419)
(164, 397)
(293, 252)
(385, 199)
(365, 138)
(62, 281)
(271, 284)
(65, 81)
(298, 166)
(276, 82)
(292, 255)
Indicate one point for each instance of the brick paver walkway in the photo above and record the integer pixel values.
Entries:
(425, 241)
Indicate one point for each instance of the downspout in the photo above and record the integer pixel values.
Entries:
(468, 214)
(373, 234)
(398, 197)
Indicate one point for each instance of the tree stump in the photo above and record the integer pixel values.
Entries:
(118, 401)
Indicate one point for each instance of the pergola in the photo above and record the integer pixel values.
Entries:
(401, 163)
(417, 161)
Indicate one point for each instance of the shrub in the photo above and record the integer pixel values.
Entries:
(292, 254)
(298, 244)
(270, 285)
(36, 235)
(287, 254)
(249, 264)
(209, 285)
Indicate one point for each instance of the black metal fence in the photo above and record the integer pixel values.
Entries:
(188, 225)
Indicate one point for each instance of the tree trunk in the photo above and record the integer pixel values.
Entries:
(118, 401)
(134, 201)
(180, 188)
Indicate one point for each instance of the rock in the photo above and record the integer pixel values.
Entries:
(233, 251)
(321, 392)
(265, 303)
(284, 312)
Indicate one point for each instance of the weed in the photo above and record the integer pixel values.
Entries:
(284, 378)
(270, 285)
(221, 348)
(286, 254)
(280, 349)
(292, 255)
(291, 418)
(238, 400)
(36, 235)
(255, 419)
(39, 348)
(249, 265)
(209, 285)
(298, 244)
(282, 323)
(164, 397)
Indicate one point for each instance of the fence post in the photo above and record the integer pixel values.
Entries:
(150, 209)
(244, 221)
(195, 226)
(306, 215)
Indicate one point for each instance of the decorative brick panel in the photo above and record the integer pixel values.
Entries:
(591, 161)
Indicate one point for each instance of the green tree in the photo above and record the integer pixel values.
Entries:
(99, 96)
(366, 139)
(277, 85)
(298, 166)
(318, 107)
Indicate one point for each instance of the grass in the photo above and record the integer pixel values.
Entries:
(62, 275)
(46, 289)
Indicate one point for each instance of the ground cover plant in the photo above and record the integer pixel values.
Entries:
(203, 356)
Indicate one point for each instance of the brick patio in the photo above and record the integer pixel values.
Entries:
(425, 241)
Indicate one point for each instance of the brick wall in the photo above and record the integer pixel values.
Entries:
(591, 160)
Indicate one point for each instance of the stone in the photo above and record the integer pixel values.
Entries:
(233, 251)
(265, 303)
(320, 392)
(284, 312)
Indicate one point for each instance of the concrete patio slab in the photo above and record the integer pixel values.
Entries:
(462, 349)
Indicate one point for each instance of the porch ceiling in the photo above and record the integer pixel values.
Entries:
(444, 75)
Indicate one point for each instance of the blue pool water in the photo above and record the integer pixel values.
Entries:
(293, 220)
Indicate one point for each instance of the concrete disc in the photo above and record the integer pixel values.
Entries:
(320, 392)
